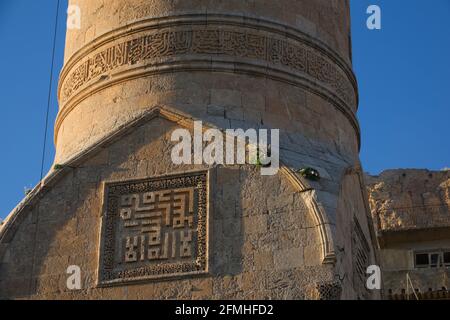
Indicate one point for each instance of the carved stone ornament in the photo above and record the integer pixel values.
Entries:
(280, 52)
(327, 290)
(154, 228)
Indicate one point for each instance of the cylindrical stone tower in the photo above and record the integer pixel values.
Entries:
(140, 226)
(285, 64)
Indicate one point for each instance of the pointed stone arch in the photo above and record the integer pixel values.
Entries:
(308, 194)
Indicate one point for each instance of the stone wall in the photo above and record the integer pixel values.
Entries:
(356, 238)
(263, 240)
(411, 209)
(323, 19)
(410, 199)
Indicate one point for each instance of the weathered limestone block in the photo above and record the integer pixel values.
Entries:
(410, 199)
(411, 211)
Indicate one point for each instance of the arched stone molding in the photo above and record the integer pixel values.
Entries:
(309, 196)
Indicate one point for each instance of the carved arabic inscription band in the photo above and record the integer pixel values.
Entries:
(215, 42)
(288, 55)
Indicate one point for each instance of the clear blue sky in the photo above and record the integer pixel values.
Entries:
(403, 72)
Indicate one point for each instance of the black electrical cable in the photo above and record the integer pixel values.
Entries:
(50, 87)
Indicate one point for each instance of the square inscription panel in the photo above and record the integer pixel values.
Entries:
(154, 228)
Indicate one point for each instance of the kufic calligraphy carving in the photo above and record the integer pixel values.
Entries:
(154, 228)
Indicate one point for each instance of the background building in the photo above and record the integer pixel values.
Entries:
(411, 210)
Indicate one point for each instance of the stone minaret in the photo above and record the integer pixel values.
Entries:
(139, 226)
